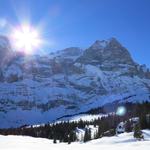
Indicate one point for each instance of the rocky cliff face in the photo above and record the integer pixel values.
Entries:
(109, 52)
(38, 89)
(5, 50)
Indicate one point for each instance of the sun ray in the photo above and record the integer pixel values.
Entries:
(26, 39)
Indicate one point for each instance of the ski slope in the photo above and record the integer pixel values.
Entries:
(124, 141)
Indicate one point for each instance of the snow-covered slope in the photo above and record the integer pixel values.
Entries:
(83, 117)
(38, 89)
(124, 141)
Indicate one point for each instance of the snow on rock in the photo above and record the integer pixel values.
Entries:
(13, 70)
(120, 128)
(68, 81)
(99, 44)
(81, 132)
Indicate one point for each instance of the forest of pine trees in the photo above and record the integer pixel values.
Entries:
(65, 131)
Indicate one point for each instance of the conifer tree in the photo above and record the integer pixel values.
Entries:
(99, 134)
(54, 140)
(128, 126)
(87, 135)
(137, 132)
(143, 121)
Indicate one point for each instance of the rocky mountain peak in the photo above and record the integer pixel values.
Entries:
(4, 44)
(106, 51)
(5, 49)
(113, 40)
(4, 41)
(99, 44)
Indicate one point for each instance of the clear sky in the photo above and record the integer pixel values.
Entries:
(66, 23)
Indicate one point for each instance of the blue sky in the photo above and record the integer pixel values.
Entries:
(79, 23)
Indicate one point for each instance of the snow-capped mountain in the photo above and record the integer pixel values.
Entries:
(37, 89)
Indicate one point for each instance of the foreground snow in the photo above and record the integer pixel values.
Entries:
(122, 142)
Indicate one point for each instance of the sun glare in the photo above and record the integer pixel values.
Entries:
(26, 39)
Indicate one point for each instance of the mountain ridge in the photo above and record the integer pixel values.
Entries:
(37, 89)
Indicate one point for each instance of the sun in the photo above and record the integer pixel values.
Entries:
(26, 39)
